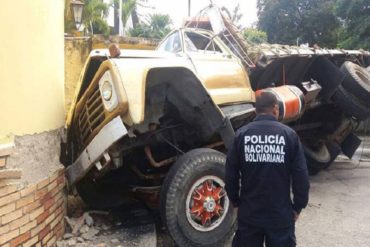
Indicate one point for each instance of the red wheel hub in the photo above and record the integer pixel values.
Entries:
(207, 202)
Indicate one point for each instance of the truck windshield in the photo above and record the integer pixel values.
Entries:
(172, 43)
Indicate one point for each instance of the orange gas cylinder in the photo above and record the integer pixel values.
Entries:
(291, 101)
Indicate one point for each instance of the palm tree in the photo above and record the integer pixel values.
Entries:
(94, 15)
(157, 26)
(160, 25)
(127, 7)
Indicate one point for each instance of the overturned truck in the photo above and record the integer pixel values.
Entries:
(155, 125)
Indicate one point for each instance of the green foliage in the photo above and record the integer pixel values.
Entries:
(328, 23)
(355, 17)
(94, 14)
(127, 7)
(156, 27)
(311, 21)
(254, 36)
(141, 30)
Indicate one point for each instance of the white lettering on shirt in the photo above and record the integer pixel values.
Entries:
(264, 149)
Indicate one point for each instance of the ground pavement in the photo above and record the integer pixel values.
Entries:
(338, 213)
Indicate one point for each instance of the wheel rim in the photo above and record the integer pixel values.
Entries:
(206, 203)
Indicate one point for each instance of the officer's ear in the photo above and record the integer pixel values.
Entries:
(275, 111)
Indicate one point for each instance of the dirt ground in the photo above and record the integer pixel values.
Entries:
(337, 215)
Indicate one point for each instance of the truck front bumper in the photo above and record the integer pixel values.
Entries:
(107, 136)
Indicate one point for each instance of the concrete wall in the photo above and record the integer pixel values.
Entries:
(32, 66)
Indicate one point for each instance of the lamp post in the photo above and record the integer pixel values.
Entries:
(77, 7)
(189, 6)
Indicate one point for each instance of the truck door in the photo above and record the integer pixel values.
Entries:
(220, 72)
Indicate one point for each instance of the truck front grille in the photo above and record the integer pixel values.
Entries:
(91, 116)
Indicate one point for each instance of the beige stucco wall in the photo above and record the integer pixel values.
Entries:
(31, 66)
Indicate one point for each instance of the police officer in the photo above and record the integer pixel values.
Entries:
(264, 162)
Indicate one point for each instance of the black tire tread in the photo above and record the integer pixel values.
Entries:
(184, 166)
(355, 85)
(350, 105)
(322, 156)
(314, 166)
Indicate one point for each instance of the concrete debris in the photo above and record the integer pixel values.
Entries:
(119, 228)
(105, 227)
(70, 222)
(89, 220)
(115, 241)
(90, 234)
(71, 242)
(83, 232)
(80, 240)
(101, 245)
(84, 229)
(76, 224)
(68, 236)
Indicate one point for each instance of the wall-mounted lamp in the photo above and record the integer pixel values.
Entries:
(77, 7)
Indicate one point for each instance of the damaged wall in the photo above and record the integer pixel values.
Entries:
(37, 155)
(32, 198)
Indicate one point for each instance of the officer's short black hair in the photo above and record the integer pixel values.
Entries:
(265, 102)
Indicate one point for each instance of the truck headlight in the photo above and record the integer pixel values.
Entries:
(106, 90)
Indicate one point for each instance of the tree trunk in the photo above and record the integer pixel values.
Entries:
(135, 18)
(116, 17)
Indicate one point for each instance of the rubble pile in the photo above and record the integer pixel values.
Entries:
(120, 227)
(89, 231)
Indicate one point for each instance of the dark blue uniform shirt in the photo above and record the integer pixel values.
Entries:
(268, 158)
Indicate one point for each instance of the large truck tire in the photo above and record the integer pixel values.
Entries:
(321, 157)
(194, 205)
(350, 105)
(357, 81)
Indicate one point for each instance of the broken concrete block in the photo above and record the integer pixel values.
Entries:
(88, 219)
(90, 234)
(84, 229)
(115, 241)
(68, 236)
